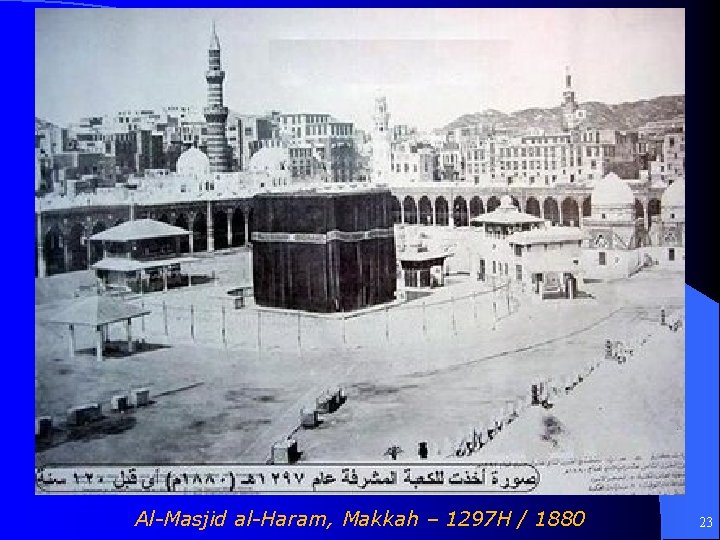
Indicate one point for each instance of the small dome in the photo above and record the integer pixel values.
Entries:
(269, 160)
(674, 195)
(611, 191)
(193, 162)
(506, 201)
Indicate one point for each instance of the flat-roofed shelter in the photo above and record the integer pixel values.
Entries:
(139, 253)
(96, 312)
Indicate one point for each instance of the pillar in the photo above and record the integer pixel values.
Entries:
(210, 229)
(402, 211)
(246, 224)
(87, 247)
(580, 213)
(66, 253)
(229, 228)
(99, 343)
(42, 266)
(71, 342)
(128, 328)
(164, 273)
(191, 238)
(560, 213)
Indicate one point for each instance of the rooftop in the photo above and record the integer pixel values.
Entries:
(122, 264)
(96, 311)
(506, 213)
(546, 236)
(139, 229)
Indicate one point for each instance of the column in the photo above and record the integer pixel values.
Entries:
(87, 246)
(210, 233)
(560, 214)
(71, 336)
(42, 266)
(402, 212)
(580, 213)
(99, 343)
(66, 253)
(246, 224)
(164, 273)
(229, 228)
(192, 233)
(128, 328)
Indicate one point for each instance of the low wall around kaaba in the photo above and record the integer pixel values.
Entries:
(324, 251)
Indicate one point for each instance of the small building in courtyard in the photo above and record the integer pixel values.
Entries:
(547, 261)
(490, 252)
(142, 255)
(611, 246)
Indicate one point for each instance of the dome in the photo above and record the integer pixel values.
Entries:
(193, 162)
(506, 201)
(611, 192)
(269, 160)
(674, 195)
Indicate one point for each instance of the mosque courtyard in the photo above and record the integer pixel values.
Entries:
(427, 370)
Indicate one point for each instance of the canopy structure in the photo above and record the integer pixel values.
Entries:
(117, 264)
(97, 312)
(139, 229)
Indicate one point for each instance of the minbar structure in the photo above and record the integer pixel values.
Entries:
(324, 251)
(216, 113)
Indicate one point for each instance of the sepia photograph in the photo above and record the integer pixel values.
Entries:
(378, 249)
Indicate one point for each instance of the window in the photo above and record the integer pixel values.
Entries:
(602, 258)
(518, 251)
(671, 254)
(506, 269)
(518, 272)
(494, 267)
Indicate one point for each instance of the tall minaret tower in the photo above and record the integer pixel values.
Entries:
(381, 141)
(215, 112)
(572, 114)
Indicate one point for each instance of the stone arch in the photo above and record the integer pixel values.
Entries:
(410, 210)
(570, 212)
(460, 212)
(220, 236)
(551, 211)
(493, 203)
(54, 251)
(238, 227)
(476, 206)
(532, 206)
(182, 221)
(77, 248)
(441, 211)
(96, 249)
(396, 210)
(587, 206)
(200, 232)
(425, 210)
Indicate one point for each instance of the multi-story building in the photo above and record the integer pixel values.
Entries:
(674, 156)
(412, 162)
(332, 142)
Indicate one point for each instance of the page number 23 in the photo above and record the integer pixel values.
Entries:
(706, 522)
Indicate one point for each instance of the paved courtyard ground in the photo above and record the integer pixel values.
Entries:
(426, 370)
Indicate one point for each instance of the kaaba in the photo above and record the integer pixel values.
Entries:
(324, 251)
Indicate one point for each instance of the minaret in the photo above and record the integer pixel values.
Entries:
(381, 141)
(569, 105)
(215, 112)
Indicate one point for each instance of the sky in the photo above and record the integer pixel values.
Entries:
(433, 65)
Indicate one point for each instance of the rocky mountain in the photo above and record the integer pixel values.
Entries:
(631, 115)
